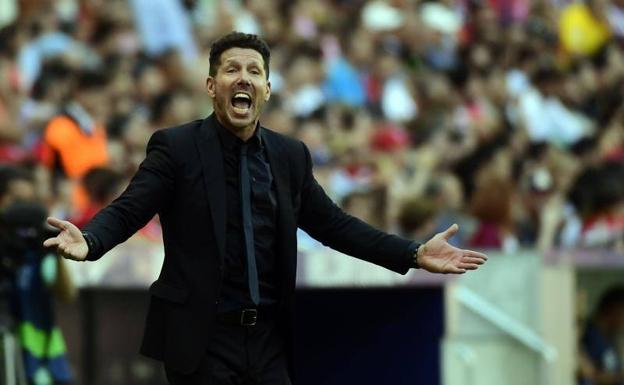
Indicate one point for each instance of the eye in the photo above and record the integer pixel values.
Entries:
(255, 71)
(230, 70)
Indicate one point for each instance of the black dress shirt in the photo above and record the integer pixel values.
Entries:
(235, 289)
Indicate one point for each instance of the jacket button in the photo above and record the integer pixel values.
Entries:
(216, 302)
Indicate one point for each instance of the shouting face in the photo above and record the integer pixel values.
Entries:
(239, 89)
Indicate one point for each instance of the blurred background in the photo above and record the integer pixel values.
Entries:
(504, 116)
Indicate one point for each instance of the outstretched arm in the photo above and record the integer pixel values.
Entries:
(323, 220)
(326, 222)
(148, 192)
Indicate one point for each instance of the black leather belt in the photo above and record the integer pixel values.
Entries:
(247, 317)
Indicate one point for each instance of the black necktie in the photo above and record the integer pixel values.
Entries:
(252, 272)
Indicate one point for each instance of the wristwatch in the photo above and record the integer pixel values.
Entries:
(416, 250)
(420, 247)
(90, 242)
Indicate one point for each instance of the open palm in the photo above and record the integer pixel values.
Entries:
(438, 256)
(69, 243)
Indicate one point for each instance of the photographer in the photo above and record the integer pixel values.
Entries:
(28, 275)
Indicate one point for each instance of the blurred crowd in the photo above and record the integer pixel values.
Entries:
(504, 116)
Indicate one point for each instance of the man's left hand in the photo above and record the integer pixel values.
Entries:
(438, 256)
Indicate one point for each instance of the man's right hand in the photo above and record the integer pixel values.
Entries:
(69, 243)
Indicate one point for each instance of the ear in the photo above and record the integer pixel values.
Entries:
(267, 95)
(210, 86)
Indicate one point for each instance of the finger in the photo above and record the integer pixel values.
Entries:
(71, 257)
(473, 260)
(469, 266)
(59, 224)
(51, 242)
(475, 254)
(455, 270)
(448, 233)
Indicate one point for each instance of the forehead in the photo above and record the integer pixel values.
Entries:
(242, 55)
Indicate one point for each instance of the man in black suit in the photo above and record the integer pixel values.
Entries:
(230, 195)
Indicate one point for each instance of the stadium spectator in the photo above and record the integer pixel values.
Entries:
(391, 94)
(599, 341)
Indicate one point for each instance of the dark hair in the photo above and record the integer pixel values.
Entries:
(598, 189)
(377, 198)
(612, 297)
(53, 72)
(8, 174)
(238, 40)
(160, 106)
(416, 212)
(90, 80)
(101, 184)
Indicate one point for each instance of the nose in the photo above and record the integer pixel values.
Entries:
(244, 78)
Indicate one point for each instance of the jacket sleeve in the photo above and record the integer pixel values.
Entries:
(322, 219)
(148, 192)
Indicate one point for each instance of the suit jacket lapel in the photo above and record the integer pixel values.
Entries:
(286, 226)
(211, 157)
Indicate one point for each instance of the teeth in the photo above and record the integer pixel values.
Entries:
(242, 95)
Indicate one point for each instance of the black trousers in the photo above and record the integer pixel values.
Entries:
(240, 355)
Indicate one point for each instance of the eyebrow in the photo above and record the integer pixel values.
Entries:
(232, 62)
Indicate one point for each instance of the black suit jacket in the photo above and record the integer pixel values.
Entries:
(182, 180)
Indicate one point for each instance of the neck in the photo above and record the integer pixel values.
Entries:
(243, 133)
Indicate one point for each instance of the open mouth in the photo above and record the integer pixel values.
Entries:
(241, 102)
